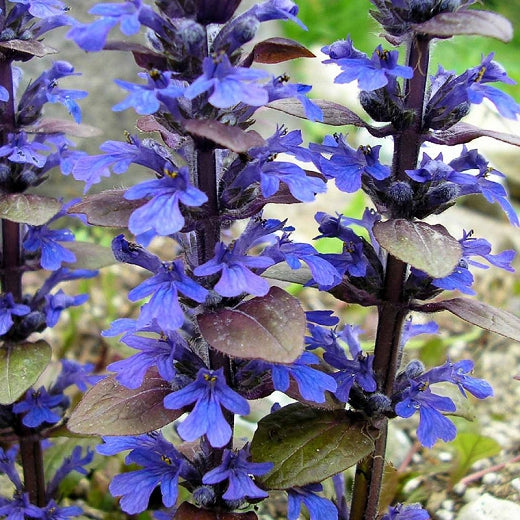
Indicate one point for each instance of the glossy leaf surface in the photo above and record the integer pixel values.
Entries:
(20, 366)
(268, 327)
(309, 445)
(428, 248)
(110, 408)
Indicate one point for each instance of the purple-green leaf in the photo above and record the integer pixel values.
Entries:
(20, 366)
(478, 313)
(308, 445)
(89, 255)
(188, 511)
(108, 208)
(427, 247)
(25, 49)
(35, 210)
(461, 133)
(51, 125)
(231, 137)
(277, 50)
(467, 21)
(110, 408)
(150, 124)
(268, 327)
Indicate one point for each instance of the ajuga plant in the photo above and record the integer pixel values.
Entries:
(32, 408)
(214, 332)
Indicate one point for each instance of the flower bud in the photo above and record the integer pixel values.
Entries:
(204, 496)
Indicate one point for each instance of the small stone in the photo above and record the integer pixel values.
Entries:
(442, 514)
(515, 484)
(491, 478)
(487, 507)
(448, 504)
(459, 488)
(412, 485)
(472, 494)
(445, 456)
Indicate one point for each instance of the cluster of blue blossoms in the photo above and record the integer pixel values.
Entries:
(200, 93)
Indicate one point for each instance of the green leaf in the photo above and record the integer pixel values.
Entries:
(35, 210)
(309, 445)
(269, 327)
(20, 366)
(89, 255)
(110, 408)
(428, 248)
(470, 448)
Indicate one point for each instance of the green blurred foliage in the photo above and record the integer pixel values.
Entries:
(331, 20)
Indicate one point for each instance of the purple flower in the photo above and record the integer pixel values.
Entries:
(406, 512)
(210, 393)
(277, 10)
(229, 85)
(319, 507)
(37, 406)
(164, 287)
(347, 165)
(240, 473)
(147, 99)
(236, 277)
(162, 213)
(161, 464)
(74, 373)
(371, 74)
(432, 424)
(7, 308)
(58, 302)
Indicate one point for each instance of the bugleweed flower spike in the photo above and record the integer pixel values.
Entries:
(215, 332)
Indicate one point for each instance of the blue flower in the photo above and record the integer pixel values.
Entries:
(210, 393)
(4, 94)
(432, 424)
(153, 351)
(280, 89)
(46, 240)
(347, 166)
(162, 213)
(20, 508)
(54, 512)
(236, 277)
(161, 465)
(164, 287)
(319, 507)
(373, 73)
(357, 370)
(406, 512)
(147, 99)
(74, 373)
(457, 373)
(58, 302)
(129, 14)
(240, 473)
(37, 406)
(7, 308)
(75, 462)
(264, 169)
(277, 10)
(19, 150)
(229, 85)
(8, 466)
(43, 8)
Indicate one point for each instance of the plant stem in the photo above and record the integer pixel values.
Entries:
(393, 310)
